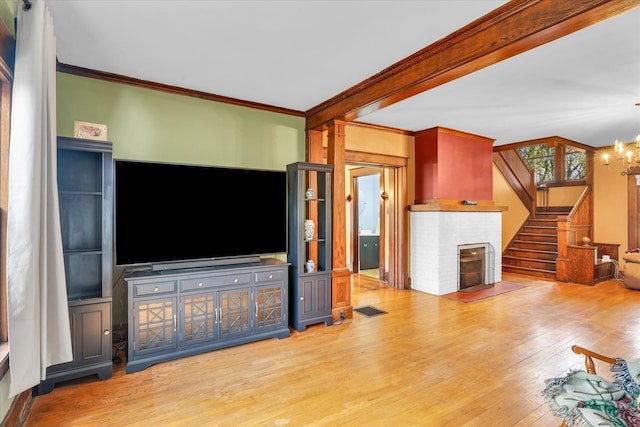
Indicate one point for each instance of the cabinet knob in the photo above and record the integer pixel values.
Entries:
(200, 284)
(106, 332)
(301, 298)
(271, 276)
(156, 289)
(235, 280)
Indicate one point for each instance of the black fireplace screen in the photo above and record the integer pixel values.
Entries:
(472, 267)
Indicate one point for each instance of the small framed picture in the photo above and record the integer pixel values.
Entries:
(87, 130)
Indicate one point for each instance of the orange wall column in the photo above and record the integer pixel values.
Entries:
(314, 146)
(341, 276)
(453, 165)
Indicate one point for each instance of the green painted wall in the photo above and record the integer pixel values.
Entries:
(145, 124)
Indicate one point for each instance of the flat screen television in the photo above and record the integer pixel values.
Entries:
(177, 215)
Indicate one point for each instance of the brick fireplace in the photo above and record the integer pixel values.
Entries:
(453, 209)
(435, 238)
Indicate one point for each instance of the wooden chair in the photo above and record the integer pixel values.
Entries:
(589, 357)
(588, 362)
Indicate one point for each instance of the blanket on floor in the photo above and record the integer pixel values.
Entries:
(581, 399)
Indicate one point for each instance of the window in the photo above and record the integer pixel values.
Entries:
(555, 163)
(575, 164)
(540, 158)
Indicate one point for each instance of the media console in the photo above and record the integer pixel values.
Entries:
(173, 314)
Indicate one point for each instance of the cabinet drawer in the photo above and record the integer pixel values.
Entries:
(209, 282)
(155, 288)
(270, 276)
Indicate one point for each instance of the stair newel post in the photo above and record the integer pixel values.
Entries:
(565, 238)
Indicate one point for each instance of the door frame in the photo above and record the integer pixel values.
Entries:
(355, 216)
(397, 251)
(393, 201)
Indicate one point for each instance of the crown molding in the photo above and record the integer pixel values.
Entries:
(117, 78)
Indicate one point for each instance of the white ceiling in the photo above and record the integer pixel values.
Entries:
(583, 87)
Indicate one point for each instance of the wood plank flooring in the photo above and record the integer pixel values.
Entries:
(428, 362)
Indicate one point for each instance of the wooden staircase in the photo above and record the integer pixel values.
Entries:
(534, 249)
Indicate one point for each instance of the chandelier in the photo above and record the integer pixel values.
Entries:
(626, 153)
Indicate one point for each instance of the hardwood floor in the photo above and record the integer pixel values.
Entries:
(428, 362)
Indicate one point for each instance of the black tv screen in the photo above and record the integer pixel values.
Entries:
(171, 213)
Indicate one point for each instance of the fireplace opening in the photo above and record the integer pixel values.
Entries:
(473, 262)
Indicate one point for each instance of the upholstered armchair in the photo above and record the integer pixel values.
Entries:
(632, 270)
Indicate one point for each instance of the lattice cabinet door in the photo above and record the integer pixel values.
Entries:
(199, 318)
(155, 325)
(235, 312)
(270, 306)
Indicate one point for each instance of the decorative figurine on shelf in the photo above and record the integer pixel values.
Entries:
(310, 194)
(309, 229)
(310, 265)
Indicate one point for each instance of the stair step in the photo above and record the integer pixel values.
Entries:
(539, 229)
(535, 272)
(551, 214)
(535, 242)
(553, 218)
(542, 264)
(565, 209)
(553, 211)
(529, 245)
(549, 222)
(532, 253)
(537, 237)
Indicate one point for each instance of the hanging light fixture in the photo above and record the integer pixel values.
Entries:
(626, 153)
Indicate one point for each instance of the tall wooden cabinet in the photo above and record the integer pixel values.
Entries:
(85, 187)
(309, 191)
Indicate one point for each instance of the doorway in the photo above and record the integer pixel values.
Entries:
(392, 201)
(366, 221)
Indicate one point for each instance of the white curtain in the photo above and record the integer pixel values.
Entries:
(39, 332)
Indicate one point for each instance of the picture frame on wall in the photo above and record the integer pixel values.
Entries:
(86, 130)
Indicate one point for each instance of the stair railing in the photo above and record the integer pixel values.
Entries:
(572, 228)
(519, 176)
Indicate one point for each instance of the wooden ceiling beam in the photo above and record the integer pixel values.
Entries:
(509, 30)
